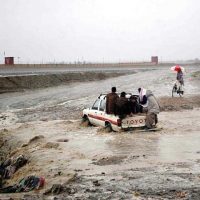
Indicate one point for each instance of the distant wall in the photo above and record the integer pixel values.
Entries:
(82, 65)
(133, 64)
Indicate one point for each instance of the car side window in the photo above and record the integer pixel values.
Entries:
(102, 105)
(96, 104)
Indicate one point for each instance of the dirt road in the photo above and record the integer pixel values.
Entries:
(91, 164)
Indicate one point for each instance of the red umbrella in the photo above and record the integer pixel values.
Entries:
(177, 68)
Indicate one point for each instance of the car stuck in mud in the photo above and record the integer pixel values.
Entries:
(97, 116)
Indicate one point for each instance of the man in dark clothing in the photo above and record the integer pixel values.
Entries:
(134, 106)
(122, 106)
(111, 99)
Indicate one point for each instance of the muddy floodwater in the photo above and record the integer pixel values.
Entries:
(44, 125)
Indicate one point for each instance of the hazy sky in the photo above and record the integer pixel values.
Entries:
(99, 30)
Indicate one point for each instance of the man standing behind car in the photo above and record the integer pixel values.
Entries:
(153, 109)
(111, 99)
(122, 106)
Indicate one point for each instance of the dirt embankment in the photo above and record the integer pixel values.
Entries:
(179, 103)
(19, 83)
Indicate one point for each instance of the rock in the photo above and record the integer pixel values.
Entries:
(24, 145)
(187, 107)
(181, 194)
(51, 145)
(136, 194)
(34, 139)
(44, 119)
(91, 190)
(55, 189)
(78, 170)
(58, 188)
(62, 140)
(96, 183)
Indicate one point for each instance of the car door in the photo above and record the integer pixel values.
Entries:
(101, 112)
(93, 114)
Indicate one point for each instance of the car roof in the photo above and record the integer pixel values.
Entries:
(103, 96)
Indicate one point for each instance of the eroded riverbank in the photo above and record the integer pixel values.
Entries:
(35, 81)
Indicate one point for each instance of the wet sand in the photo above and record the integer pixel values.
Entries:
(99, 165)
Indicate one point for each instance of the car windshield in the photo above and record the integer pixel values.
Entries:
(96, 105)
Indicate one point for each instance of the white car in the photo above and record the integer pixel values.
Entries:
(97, 116)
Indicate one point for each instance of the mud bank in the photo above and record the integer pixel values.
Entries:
(19, 83)
(179, 103)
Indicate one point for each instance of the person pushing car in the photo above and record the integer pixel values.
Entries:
(153, 109)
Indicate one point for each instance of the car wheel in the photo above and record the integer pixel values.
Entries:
(85, 122)
(108, 128)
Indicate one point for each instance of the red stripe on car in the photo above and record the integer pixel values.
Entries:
(103, 119)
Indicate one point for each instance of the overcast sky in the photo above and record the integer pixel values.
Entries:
(99, 30)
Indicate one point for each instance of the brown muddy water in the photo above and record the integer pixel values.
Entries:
(91, 164)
